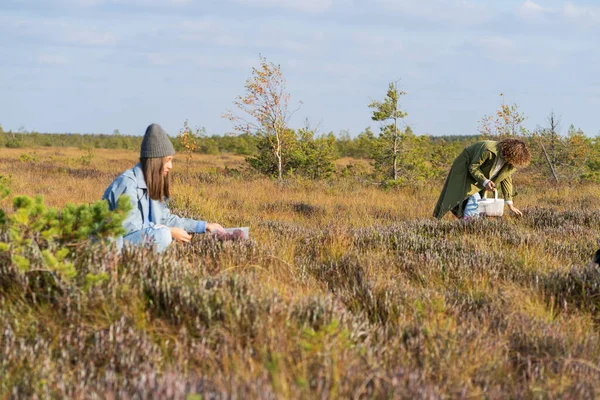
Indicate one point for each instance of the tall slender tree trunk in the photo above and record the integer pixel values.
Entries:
(395, 155)
(395, 138)
(278, 155)
(549, 162)
(551, 158)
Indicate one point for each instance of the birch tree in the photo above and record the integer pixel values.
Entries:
(264, 110)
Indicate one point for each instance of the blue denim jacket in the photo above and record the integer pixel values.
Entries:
(133, 184)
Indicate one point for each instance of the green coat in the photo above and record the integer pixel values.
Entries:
(470, 169)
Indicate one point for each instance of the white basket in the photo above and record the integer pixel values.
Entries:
(491, 207)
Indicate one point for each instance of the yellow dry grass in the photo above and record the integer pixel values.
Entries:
(470, 307)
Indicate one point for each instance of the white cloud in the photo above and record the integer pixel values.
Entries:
(496, 44)
(92, 3)
(89, 37)
(593, 90)
(84, 3)
(328, 69)
(532, 11)
(201, 61)
(377, 44)
(308, 6)
(462, 12)
(59, 31)
(52, 59)
(274, 37)
(583, 16)
(201, 25)
(208, 30)
(214, 38)
(160, 59)
(345, 69)
(570, 14)
(499, 49)
(516, 52)
(228, 33)
(292, 46)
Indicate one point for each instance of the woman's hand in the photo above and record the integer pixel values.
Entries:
(214, 227)
(515, 210)
(490, 186)
(180, 235)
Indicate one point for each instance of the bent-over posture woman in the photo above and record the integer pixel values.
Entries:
(147, 185)
(482, 166)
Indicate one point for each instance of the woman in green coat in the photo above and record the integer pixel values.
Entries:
(482, 166)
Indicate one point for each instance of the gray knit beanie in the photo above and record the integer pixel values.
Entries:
(156, 143)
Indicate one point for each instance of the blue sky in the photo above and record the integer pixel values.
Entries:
(97, 65)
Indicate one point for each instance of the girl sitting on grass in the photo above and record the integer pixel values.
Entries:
(147, 185)
(479, 167)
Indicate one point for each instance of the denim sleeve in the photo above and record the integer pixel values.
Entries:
(187, 224)
(125, 186)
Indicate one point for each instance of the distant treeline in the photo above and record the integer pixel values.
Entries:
(570, 158)
(242, 144)
(344, 144)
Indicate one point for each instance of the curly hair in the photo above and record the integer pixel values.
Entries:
(515, 152)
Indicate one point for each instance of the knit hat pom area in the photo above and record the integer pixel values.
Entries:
(156, 143)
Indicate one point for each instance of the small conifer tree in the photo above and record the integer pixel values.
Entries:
(42, 238)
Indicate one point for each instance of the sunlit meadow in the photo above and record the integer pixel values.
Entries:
(344, 290)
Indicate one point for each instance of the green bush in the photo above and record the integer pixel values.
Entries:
(13, 143)
(36, 237)
(29, 157)
(302, 155)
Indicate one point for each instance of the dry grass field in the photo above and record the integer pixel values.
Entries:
(344, 290)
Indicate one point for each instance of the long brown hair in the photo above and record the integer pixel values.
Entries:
(515, 152)
(158, 184)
